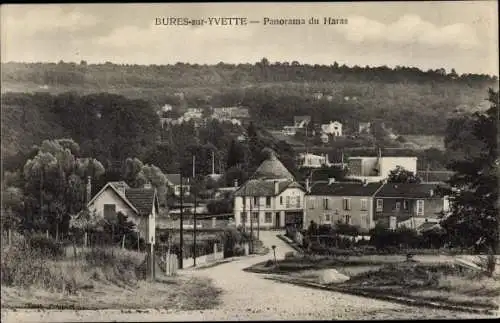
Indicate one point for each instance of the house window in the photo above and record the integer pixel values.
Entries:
(328, 218)
(255, 216)
(398, 206)
(109, 211)
(325, 204)
(269, 217)
(243, 217)
(311, 203)
(347, 219)
(281, 200)
(255, 201)
(288, 201)
(405, 205)
(347, 204)
(297, 199)
(268, 201)
(364, 204)
(380, 205)
(420, 207)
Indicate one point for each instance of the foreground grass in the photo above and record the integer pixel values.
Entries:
(99, 278)
(177, 293)
(429, 280)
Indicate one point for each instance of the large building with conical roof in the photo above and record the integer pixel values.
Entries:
(271, 198)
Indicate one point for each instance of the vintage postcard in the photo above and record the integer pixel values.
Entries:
(249, 161)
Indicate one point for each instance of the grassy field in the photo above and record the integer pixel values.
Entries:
(104, 278)
(432, 279)
(426, 142)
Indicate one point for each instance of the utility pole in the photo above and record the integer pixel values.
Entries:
(194, 211)
(181, 237)
(258, 220)
(251, 224)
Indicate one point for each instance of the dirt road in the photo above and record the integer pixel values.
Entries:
(248, 296)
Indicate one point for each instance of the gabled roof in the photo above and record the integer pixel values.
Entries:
(406, 190)
(142, 198)
(175, 179)
(272, 168)
(256, 187)
(344, 189)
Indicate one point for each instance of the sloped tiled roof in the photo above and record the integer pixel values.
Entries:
(141, 198)
(344, 189)
(406, 190)
(256, 187)
(272, 168)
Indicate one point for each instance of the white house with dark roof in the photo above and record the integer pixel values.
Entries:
(174, 184)
(140, 205)
(272, 197)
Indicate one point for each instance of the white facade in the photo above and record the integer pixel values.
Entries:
(313, 161)
(145, 225)
(333, 128)
(271, 210)
(375, 169)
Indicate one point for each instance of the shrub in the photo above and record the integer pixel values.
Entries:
(46, 246)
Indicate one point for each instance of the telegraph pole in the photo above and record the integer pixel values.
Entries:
(251, 224)
(181, 237)
(194, 211)
(258, 220)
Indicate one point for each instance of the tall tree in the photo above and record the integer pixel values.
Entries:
(55, 182)
(473, 221)
(401, 175)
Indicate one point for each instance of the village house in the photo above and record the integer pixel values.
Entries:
(334, 128)
(376, 169)
(308, 160)
(350, 203)
(174, 184)
(272, 197)
(364, 127)
(140, 205)
(229, 113)
(410, 205)
(299, 122)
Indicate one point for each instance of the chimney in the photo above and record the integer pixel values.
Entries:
(89, 189)
(276, 187)
(308, 188)
(235, 183)
(365, 182)
(147, 185)
(331, 181)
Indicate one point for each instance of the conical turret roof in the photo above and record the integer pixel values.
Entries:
(272, 168)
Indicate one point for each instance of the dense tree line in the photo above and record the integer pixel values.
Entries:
(408, 99)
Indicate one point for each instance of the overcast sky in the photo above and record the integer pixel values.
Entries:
(461, 35)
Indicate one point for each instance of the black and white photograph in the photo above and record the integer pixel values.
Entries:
(249, 161)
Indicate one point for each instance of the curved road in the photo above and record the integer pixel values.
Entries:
(248, 296)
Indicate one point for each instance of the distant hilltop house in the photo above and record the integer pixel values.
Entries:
(364, 127)
(299, 122)
(375, 169)
(317, 95)
(236, 115)
(334, 128)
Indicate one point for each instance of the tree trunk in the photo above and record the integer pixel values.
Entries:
(57, 231)
(47, 233)
(138, 245)
(85, 239)
(123, 242)
(10, 236)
